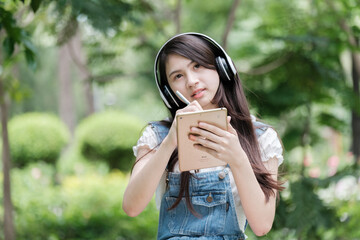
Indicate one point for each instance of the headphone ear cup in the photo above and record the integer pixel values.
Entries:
(163, 97)
(170, 100)
(223, 69)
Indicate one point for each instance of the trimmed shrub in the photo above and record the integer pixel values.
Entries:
(86, 206)
(36, 137)
(109, 136)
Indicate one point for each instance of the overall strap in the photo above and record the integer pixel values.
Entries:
(260, 128)
(161, 131)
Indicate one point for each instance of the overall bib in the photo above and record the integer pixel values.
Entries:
(211, 196)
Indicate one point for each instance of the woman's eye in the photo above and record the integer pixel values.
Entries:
(197, 65)
(177, 76)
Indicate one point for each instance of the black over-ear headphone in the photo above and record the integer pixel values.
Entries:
(224, 66)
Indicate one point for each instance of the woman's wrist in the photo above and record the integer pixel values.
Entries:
(240, 162)
(169, 143)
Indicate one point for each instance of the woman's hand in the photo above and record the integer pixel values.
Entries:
(223, 145)
(192, 107)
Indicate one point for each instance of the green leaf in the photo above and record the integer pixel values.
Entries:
(35, 4)
(26, 41)
(304, 211)
(30, 58)
(332, 121)
(8, 45)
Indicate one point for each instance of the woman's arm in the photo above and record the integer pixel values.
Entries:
(259, 213)
(225, 145)
(145, 177)
(147, 172)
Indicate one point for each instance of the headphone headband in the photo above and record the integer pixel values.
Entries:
(224, 64)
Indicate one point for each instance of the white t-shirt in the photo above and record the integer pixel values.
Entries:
(270, 147)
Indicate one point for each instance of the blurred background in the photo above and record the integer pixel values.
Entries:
(77, 88)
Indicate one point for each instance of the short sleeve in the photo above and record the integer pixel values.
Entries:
(270, 146)
(147, 140)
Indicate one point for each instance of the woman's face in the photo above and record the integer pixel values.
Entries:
(191, 79)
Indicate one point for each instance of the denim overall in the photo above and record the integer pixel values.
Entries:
(211, 197)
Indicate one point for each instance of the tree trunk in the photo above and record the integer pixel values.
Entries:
(355, 116)
(230, 23)
(78, 56)
(66, 96)
(8, 207)
(178, 16)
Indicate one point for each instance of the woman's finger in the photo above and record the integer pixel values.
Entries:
(208, 150)
(230, 127)
(211, 128)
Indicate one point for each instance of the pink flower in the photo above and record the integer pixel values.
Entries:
(332, 171)
(314, 172)
(307, 160)
(333, 161)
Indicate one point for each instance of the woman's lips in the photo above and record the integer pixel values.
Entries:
(198, 93)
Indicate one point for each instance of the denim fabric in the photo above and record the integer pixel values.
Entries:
(225, 237)
(160, 130)
(211, 198)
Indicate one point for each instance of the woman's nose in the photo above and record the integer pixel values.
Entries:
(192, 80)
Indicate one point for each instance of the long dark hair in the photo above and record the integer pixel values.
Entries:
(229, 95)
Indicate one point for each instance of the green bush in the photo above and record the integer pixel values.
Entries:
(36, 137)
(87, 206)
(109, 136)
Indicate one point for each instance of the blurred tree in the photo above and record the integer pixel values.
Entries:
(230, 23)
(289, 53)
(66, 94)
(12, 36)
(71, 49)
(352, 31)
(301, 82)
(311, 73)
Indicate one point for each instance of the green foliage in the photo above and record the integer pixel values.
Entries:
(304, 83)
(303, 211)
(36, 137)
(116, 13)
(349, 213)
(109, 136)
(86, 206)
(302, 93)
(15, 35)
(331, 120)
(35, 4)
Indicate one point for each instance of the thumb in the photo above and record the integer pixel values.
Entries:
(228, 119)
(230, 127)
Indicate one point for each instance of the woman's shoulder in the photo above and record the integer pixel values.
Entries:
(259, 126)
(160, 127)
(152, 135)
(162, 124)
(269, 141)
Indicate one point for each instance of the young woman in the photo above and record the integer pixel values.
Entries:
(212, 203)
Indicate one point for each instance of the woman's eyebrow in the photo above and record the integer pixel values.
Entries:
(178, 70)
